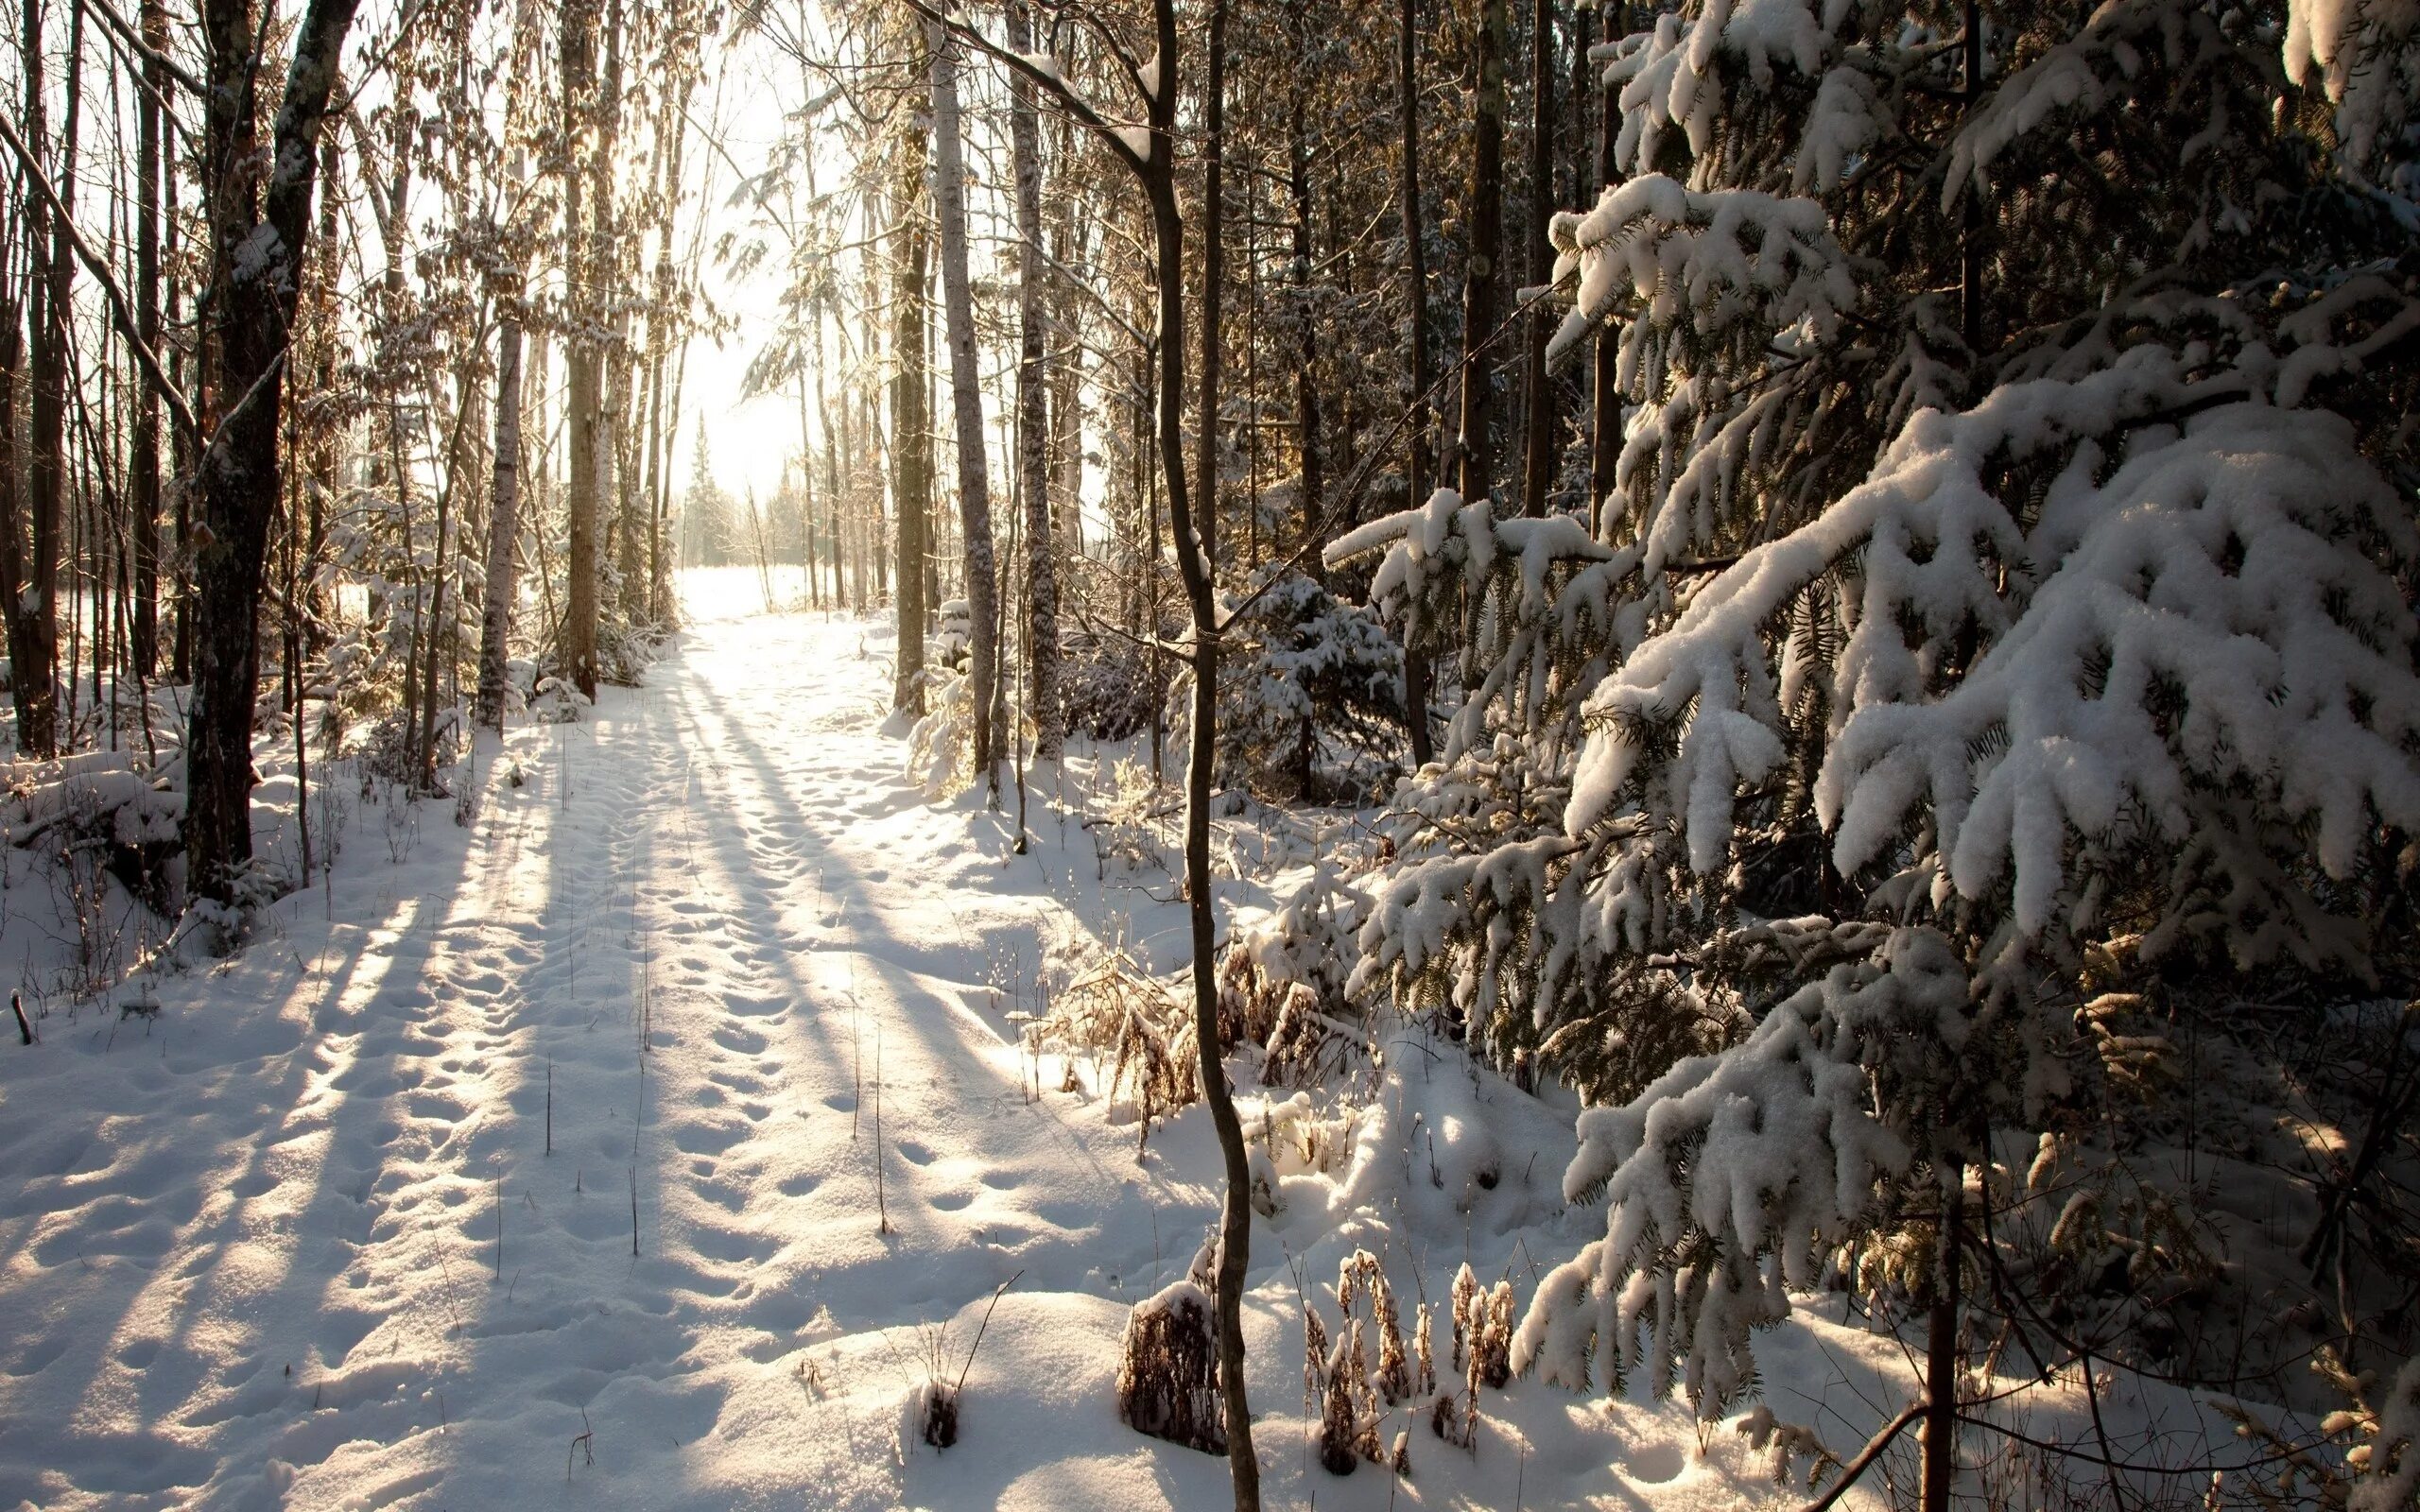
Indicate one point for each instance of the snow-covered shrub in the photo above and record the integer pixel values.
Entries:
(956, 634)
(1299, 668)
(99, 811)
(1115, 1011)
(1168, 1365)
(1167, 1369)
(1107, 686)
(1292, 1137)
(1282, 982)
(2387, 1463)
(940, 747)
(557, 701)
(390, 749)
(1352, 1397)
(2012, 558)
(625, 651)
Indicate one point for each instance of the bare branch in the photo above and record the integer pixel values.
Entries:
(135, 44)
(119, 309)
(1059, 89)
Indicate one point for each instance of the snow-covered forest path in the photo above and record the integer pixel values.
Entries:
(301, 1241)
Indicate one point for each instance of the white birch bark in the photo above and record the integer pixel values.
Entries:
(973, 482)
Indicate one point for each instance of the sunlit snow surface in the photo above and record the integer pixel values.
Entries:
(250, 1252)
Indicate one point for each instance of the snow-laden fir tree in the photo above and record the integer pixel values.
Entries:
(2007, 589)
(1306, 675)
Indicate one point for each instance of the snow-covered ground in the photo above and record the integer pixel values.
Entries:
(650, 1141)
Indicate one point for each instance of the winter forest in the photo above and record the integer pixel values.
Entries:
(1284, 754)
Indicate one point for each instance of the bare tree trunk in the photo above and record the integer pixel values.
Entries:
(1033, 410)
(504, 515)
(33, 611)
(143, 459)
(582, 359)
(1605, 431)
(912, 431)
(1940, 1467)
(1214, 273)
(1066, 389)
(1194, 567)
(1417, 464)
(252, 302)
(1482, 267)
(605, 271)
(1537, 394)
(1306, 391)
(12, 475)
(974, 480)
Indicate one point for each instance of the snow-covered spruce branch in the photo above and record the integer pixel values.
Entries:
(1734, 1176)
(1709, 256)
(2202, 626)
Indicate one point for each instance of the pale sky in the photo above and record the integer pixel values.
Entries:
(748, 440)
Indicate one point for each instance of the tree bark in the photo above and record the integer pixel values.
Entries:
(504, 515)
(1033, 406)
(12, 499)
(1067, 390)
(1605, 433)
(583, 360)
(1418, 462)
(1537, 392)
(605, 271)
(143, 444)
(1214, 274)
(50, 263)
(259, 227)
(967, 393)
(1482, 266)
(1306, 392)
(911, 448)
(1939, 1468)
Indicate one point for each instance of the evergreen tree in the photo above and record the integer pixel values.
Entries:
(2006, 591)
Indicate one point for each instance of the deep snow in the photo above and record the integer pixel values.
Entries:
(298, 1242)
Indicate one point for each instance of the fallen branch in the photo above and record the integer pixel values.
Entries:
(1912, 1412)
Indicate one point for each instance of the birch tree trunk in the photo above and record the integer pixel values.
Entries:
(966, 395)
(504, 516)
(1033, 411)
(12, 499)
